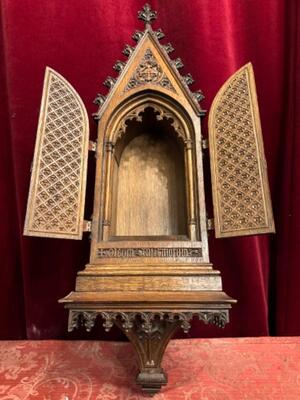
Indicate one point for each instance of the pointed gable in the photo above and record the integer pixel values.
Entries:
(149, 67)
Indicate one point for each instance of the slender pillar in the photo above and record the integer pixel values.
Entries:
(109, 147)
(190, 182)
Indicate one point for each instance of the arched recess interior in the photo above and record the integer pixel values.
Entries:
(149, 158)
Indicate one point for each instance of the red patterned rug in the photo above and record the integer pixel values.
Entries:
(198, 369)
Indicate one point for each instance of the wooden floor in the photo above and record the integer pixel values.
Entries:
(199, 369)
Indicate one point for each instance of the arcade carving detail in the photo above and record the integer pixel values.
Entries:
(161, 113)
(87, 319)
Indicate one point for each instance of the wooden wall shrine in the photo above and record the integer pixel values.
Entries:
(149, 271)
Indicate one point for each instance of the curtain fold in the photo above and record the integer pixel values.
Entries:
(286, 290)
(11, 282)
(82, 41)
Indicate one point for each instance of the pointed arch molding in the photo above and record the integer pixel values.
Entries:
(57, 189)
(241, 196)
(161, 112)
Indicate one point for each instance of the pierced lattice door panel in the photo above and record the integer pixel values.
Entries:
(241, 197)
(57, 189)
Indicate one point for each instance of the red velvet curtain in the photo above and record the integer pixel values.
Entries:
(82, 40)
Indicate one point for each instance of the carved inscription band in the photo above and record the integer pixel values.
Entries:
(149, 252)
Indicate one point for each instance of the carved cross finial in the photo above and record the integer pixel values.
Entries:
(147, 15)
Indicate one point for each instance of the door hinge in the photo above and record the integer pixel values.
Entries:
(204, 143)
(87, 226)
(92, 145)
(210, 224)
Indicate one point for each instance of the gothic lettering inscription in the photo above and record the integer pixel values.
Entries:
(149, 252)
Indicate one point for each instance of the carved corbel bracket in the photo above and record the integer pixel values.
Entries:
(149, 332)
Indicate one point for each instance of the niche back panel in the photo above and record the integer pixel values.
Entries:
(150, 188)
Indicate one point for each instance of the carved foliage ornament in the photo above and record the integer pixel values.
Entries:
(240, 187)
(57, 190)
(128, 319)
(149, 71)
(147, 15)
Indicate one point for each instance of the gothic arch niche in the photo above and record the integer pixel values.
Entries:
(150, 175)
(149, 189)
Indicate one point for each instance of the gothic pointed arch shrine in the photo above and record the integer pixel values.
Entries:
(149, 271)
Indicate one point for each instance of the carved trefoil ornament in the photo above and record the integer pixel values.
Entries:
(149, 71)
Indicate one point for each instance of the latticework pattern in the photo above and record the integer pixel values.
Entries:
(56, 203)
(240, 193)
